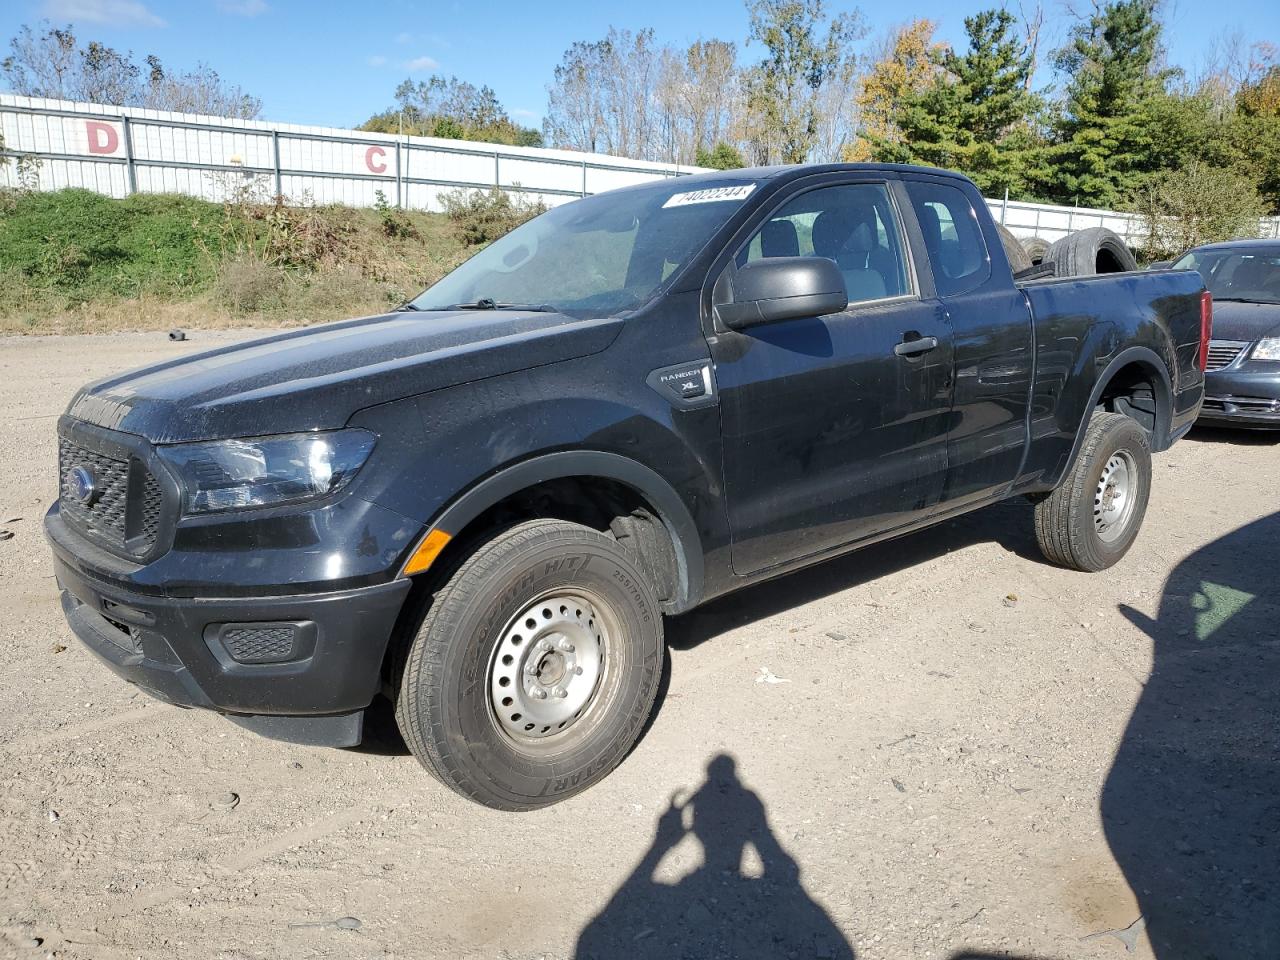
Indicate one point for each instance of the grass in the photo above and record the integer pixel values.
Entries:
(74, 261)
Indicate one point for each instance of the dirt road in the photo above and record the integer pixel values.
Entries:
(940, 747)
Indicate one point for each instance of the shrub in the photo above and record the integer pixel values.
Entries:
(394, 223)
(246, 284)
(483, 216)
(74, 260)
(86, 245)
(344, 291)
(1197, 204)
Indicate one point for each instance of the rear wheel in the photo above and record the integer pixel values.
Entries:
(535, 667)
(1092, 519)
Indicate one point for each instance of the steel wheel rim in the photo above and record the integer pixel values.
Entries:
(547, 666)
(1115, 496)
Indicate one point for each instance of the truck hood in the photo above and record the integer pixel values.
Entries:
(316, 378)
(1233, 320)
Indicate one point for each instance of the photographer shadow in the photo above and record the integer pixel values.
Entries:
(718, 910)
(1191, 807)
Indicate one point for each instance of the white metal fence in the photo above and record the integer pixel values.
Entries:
(118, 151)
(1051, 222)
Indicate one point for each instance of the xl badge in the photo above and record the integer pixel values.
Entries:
(84, 484)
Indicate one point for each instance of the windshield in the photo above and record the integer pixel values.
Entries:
(1252, 275)
(595, 257)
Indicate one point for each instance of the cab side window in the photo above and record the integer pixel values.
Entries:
(853, 225)
(957, 250)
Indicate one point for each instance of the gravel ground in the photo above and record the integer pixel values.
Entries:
(940, 747)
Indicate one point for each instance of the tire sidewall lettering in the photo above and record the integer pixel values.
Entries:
(464, 712)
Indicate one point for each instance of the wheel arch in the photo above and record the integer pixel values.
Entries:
(1137, 364)
(651, 489)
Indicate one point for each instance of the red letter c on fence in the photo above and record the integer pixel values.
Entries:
(369, 161)
(102, 137)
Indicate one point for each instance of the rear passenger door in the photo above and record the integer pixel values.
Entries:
(991, 323)
(834, 426)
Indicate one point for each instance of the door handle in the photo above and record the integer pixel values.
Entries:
(909, 348)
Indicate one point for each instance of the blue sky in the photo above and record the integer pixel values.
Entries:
(336, 63)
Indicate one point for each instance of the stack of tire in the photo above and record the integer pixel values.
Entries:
(1080, 254)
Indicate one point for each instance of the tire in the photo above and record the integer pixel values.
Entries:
(1018, 259)
(1082, 524)
(1089, 252)
(1035, 248)
(530, 613)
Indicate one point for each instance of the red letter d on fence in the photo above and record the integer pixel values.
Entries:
(102, 137)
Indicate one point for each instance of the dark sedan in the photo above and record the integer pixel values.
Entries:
(1242, 380)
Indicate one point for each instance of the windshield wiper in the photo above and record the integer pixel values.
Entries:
(1242, 300)
(488, 303)
(406, 306)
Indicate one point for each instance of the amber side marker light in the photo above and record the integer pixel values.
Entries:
(427, 551)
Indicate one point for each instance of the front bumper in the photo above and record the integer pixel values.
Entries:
(174, 647)
(1246, 394)
(1248, 412)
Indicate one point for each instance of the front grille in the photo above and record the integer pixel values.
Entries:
(152, 502)
(259, 644)
(1222, 353)
(126, 506)
(1242, 404)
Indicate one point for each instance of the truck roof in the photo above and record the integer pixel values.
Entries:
(806, 169)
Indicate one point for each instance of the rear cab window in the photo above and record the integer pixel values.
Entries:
(952, 236)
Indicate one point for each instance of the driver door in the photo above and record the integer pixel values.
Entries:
(834, 427)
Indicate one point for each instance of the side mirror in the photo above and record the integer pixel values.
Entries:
(783, 288)
(1160, 265)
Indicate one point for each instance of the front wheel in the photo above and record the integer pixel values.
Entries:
(535, 667)
(1092, 519)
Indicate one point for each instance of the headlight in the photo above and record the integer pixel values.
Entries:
(267, 471)
(1268, 349)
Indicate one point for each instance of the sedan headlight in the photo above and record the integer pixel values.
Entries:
(1268, 349)
(266, 471)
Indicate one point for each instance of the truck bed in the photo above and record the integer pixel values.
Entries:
(1083, 325)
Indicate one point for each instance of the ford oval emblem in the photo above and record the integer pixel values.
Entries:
(84, 484)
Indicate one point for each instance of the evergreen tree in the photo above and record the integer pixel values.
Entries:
(724, 157)
(976, 115)
(1108, 133)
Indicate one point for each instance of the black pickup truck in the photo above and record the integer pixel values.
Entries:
(481, 506)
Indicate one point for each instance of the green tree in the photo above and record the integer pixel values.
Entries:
(976, 115)
(723, 157)
(452, 109)
(804, 49)
(1106, 135)
(1197, 204)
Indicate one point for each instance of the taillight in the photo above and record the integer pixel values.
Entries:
(1206, 329)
